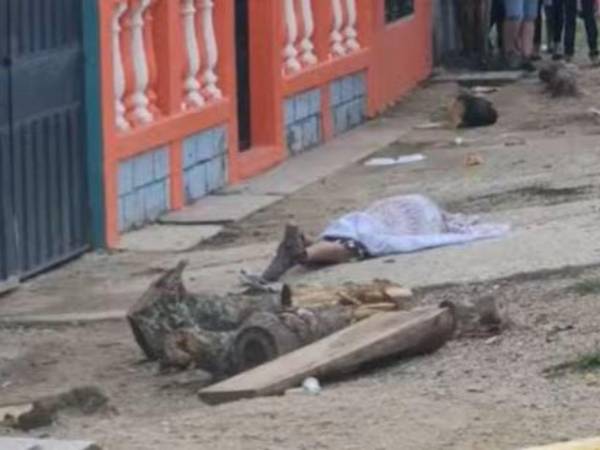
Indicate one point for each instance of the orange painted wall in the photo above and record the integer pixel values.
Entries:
(402, 54)
(395, 56)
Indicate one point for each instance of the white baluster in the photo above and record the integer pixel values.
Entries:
(308, 49)
(290, 53)
(118, 72)
(139, 99)
(350, 31)
(191, 84)
(212, 52)
(337, 40)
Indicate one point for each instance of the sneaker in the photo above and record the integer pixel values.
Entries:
(568, 59)
(594, 59)
(291, 251)
(557, 52)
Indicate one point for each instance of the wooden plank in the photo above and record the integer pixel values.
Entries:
(401, 334)
(586, 444)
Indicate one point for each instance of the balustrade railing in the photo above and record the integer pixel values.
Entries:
(136, 64)
(300, 24)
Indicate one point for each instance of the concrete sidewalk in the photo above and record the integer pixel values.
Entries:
(182, 230)
(101, 286)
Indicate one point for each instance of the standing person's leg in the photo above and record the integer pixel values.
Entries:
(549, 19)
(527, 30)
(481, 24)
(539, 24)
(512, 27)
(570, 28)
(558, 14)
(501, 17)
(591, 29)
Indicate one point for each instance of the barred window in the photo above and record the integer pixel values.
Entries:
(397, 9)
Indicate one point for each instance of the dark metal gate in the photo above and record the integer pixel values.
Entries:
(42, 155)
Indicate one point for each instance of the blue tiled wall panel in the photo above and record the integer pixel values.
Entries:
(195, 183)
(348, 100)
(143, 188)
(302, 117)
(204, 163)
(216, 169)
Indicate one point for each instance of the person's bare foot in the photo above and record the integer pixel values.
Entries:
(291, 251)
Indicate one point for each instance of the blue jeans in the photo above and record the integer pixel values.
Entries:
(521, 10)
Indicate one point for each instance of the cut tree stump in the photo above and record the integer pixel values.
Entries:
(167, 306)
(481, 317)
(395, 334)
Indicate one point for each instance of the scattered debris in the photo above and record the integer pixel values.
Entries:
(395, 334)
(483, 90)
(431, 126)
(85, 400)
(492, 340)
(469, 111)
(515, 141)
(311, 386)
(560, 80)
(407, 159)
(472, 159)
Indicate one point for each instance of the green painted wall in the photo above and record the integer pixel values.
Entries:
(93, 121)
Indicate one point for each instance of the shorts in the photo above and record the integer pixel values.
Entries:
(521, 9)
(358, 250)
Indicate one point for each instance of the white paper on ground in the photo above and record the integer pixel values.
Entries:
(407, 159)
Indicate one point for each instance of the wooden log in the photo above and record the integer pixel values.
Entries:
(262, 337)
(167, 306)
(396, 334)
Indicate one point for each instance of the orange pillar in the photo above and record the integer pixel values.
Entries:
(226, 69)
(266, 78)
(168, 39)
(106, 11)
(323, 14)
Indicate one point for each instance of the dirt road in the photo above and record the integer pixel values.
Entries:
(473, 394)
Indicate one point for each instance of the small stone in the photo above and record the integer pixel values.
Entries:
(492, 340)
(475, 390)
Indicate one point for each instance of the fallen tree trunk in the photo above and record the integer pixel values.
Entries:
(262, 337)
